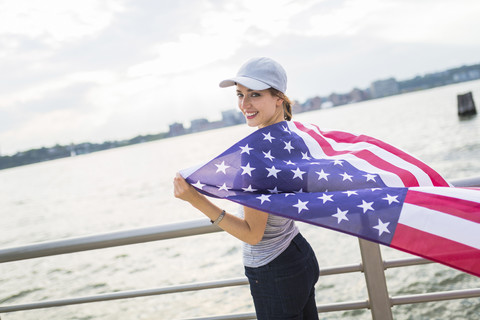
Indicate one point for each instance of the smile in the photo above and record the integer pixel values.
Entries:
(251, 114)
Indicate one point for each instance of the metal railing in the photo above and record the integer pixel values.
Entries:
(372, 265)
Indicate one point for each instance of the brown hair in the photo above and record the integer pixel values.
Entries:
(287, 104)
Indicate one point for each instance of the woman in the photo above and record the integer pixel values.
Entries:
(279, 263)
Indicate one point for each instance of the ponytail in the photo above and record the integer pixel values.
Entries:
(287, 104)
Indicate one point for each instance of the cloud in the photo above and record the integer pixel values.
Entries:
(56, 21)
(122, 68)
(400, 21)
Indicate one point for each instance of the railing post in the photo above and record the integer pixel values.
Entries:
(380, 304)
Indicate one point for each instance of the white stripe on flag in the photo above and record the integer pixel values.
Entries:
(420, 175)
(459, 193)
(317, 152)
(441, 224)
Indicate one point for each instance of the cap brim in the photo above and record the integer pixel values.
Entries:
(246, 82)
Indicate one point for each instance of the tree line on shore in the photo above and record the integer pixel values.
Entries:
(58, 151)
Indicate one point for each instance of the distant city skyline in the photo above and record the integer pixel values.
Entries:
(377, 89)
(112, 69)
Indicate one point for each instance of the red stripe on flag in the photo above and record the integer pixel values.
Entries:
(437, 249)
(345, 137)
(406, 176)
(464, 209)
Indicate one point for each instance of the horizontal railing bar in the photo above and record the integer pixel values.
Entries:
(436, 296)
(405, 262)
(126, 295)
(238, 316)
(107, 240)
(331, 307)
(466, 182)
(343, 306)
(396, 263)
(159, 291)
(341, 269)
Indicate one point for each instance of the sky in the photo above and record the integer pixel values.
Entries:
(98, 70)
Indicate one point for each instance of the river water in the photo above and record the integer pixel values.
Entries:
(131, 187)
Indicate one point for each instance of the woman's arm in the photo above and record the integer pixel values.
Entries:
(250, 229)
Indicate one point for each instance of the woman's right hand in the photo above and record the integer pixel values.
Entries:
(183, 190)
(250, 229)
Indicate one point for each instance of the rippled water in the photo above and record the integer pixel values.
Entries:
(131, 187)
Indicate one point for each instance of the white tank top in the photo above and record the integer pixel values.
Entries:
(279, 232)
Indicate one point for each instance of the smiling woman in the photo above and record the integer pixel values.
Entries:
(280, 264)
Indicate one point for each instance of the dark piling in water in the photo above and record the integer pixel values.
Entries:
(466, 105)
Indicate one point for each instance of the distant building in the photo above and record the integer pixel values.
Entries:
(357, 95)
(176, 129)
(232, 117)
(384, 88)
(296, 107)
(314, 103)
(338, 99)
(199, 125)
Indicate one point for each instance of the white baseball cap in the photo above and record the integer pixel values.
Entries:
(259, 74)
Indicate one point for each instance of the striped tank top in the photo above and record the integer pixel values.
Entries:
(279, 232)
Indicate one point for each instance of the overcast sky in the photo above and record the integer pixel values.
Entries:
(96, 70)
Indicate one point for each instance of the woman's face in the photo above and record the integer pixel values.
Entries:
(259, 107)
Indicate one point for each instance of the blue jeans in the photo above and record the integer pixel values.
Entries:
(285, 287)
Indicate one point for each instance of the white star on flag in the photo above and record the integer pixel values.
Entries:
(274, 190)
(249, 189)
(325, 198)
(198, 185)
(264, 197)
(346, 176)
(391, 199)
(322, 175)
(268, 137)
(349, 193)
(305, 156)
(272, 171)
(366, 206)
(382, 227)
(223, 187)
(222, 167)
(286, 130)
(247, 169)
(298, 173)
(288, 146)
(268, 155)
(301, 205)
(340, 215)
(370, 177)
(245, 149)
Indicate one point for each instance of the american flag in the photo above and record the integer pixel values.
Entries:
(349, 183)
